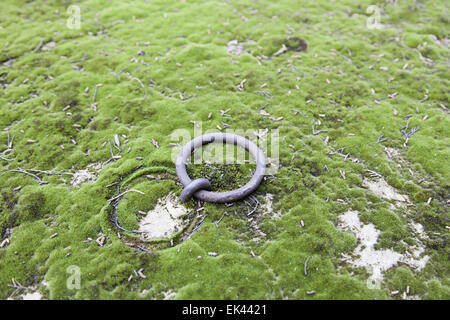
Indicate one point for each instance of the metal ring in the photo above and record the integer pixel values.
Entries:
(218, 197)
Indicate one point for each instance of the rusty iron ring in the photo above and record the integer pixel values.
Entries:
(197, 187)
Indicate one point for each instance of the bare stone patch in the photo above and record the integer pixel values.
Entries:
(28, 296)
(49, 46)
(383, 190)
(415, 259)
(418, 228)
(391, 152)
(169, 294)
(376, 261)
(445, 42)
(235, 47)
(263, 208)
(32, 296)
(90, 174)
(267, 207)
(165, 220)
(396, 156)
(31, 293)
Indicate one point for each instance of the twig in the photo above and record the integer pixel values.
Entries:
(223, 214)
(10, 141)
(125, 192)
(110, 149)
(379, 140)
(79, 60)
(256, 206)
(116, 223)
(347, 58)
(272, 177)
(113, 184)
(17, 286)
(5, 159)
(306, 265)
(373, 174)
(143, 249)
(283, 49)
(27, 173)
(296, 112)
(38, 46)
(318, 131)
(195, 229)
(407, 135)
(114, 219)
(95, 93)
(142, 85)
(373, 65)
(295, 152)
(51, 172)
(264, 93)
(240, 86)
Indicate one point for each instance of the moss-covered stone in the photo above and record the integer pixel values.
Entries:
(67, 94)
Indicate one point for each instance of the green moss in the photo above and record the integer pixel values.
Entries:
(30, 207)
(404, 278)
(223, 177)
(437, 291)
(128, 208)
(333, 71)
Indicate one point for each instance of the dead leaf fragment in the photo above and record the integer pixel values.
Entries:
(101, 240)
